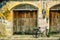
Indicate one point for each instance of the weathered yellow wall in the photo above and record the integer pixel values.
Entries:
(12, 4)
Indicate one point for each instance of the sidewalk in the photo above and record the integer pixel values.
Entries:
(28, 37)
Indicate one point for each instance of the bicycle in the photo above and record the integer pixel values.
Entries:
(37, 32)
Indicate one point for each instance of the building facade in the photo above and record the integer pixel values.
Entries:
(21, 17)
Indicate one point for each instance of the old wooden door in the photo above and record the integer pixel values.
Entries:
(24, 22)
(55, 21)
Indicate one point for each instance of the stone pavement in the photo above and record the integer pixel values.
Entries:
(28, 37)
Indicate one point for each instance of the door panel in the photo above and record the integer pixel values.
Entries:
(24, 22)
(55, 21)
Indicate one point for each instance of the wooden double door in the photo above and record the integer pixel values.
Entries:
(24, 22)
(55, 21)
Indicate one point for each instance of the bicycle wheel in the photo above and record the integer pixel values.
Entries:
(36, 33)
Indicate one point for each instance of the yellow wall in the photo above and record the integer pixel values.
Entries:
(12, 4)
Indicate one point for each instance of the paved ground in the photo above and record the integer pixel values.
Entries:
(29, 37)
